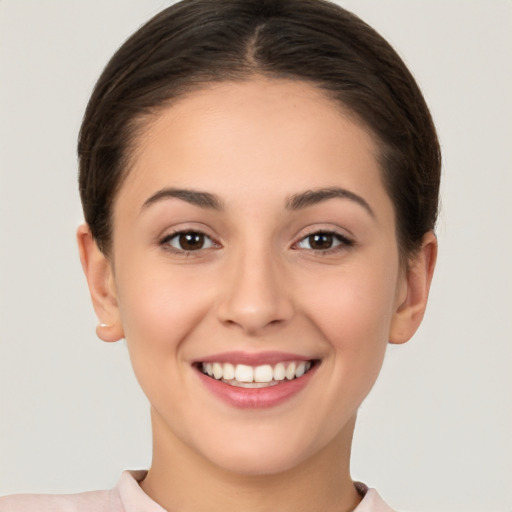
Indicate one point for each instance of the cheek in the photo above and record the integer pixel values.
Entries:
(354, 306)
(159, 308)
(159, 311)
(353, 309)
(356, 329)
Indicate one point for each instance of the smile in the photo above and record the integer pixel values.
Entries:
(261, 376)
(258, 380)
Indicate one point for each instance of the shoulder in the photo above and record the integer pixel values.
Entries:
(93, 501)
(127, 496)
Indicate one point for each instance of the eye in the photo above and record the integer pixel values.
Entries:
(323, 241)
(188, 241)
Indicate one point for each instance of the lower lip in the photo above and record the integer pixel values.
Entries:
(257, 398)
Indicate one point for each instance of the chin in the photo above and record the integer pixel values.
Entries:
(259, 455)
(257, 462)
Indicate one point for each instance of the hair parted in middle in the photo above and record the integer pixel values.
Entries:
(194, 43)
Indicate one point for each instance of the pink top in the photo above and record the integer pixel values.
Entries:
(127, 496)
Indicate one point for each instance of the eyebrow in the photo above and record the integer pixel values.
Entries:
(312, 197)
(195, 197)
(295, 202)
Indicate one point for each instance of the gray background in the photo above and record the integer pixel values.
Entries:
(434, 435)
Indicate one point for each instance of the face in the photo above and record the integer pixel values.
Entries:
(255, 272)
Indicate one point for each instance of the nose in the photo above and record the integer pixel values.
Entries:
(255, 296)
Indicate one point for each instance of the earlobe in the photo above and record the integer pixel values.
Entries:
(100, 279)
(410, 311)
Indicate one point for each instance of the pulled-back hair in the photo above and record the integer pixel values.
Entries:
(197, 42)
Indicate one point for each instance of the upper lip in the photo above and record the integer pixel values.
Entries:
(253, 359)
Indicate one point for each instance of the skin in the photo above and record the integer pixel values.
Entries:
(257, 286)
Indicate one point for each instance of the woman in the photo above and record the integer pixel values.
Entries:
(260, 184)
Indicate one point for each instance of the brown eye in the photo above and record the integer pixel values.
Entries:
(188, 241)
(191, 241)
(320, 241)
(324, 241)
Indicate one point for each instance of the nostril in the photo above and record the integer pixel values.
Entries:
(253, 319)
(252, 295)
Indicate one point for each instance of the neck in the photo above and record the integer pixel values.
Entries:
(182, 480)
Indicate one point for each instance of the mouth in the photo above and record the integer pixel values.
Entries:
(255, 377)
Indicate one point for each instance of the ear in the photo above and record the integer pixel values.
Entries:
(100, 278)
(414, 291)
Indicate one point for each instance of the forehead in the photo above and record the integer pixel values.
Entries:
(277, 136)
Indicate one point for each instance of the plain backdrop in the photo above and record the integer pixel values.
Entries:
(435, 433)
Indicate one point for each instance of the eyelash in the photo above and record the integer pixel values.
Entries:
(343, 242)
(165, 241)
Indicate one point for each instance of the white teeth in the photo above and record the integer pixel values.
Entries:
(279, 371)
(290, 371)
(243, 375)
(263, 373)
(237, 384)
(301, 368)
(217, 370)
(229, 371)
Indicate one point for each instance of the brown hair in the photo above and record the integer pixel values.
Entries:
(196, 42)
